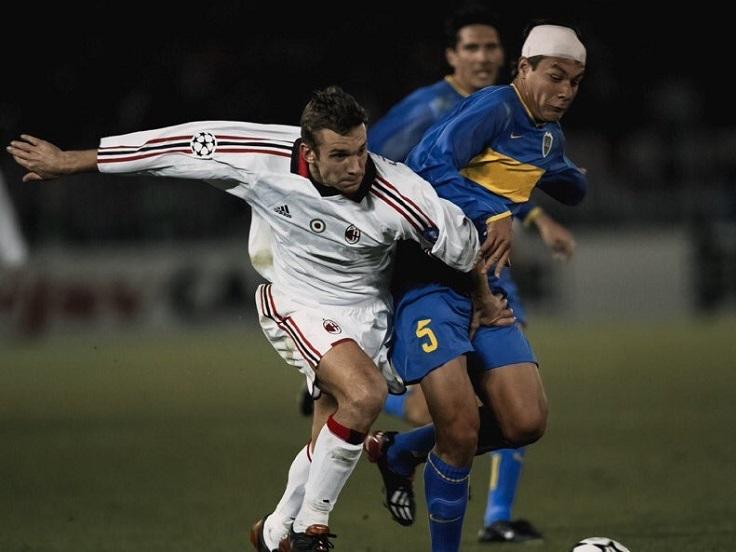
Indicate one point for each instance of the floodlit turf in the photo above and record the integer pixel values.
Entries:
(177, 442)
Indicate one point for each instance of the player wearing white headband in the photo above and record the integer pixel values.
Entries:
(486, 156)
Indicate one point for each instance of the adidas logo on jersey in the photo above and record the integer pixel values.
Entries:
(283, 210)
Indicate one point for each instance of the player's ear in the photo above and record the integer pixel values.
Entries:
(307, 153)
(451, 57)
(523, 67)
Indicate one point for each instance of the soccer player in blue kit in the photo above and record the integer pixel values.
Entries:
(474, 51)
(486, 156)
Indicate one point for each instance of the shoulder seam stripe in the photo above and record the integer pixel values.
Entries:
(407, 203)
(399, 210)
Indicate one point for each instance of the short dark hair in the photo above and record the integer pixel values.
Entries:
(333, 109)
(473, 14)
(534, 61)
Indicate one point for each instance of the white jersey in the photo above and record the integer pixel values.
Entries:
(13, 250)
(327, 249)
(259, 247)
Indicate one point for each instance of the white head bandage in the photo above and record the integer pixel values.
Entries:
(554, 41)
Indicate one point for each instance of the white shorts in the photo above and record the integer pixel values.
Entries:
(302, 334)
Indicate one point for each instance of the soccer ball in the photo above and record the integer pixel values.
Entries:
(599, 544)
(203, 144)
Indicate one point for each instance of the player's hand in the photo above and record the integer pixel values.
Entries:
(42, 159)
(488, 309)
(498, 244)
(558, 238)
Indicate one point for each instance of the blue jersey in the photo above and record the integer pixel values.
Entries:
(488, 154)
(394, 135)
(397, 132)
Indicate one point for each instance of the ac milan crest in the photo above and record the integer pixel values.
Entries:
(330, 326)
(352, 234)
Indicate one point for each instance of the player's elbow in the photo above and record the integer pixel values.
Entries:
(577, 196)
(572, 197)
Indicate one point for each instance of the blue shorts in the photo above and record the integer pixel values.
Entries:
(495, 346)
(511, 291)
(431, 324)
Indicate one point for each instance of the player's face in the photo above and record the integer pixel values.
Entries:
(340, 160)
(550, 89)
(476, 58)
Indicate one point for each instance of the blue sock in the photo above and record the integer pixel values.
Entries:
(506, 465)
(446, 493)
(410, 449)
(394, 405)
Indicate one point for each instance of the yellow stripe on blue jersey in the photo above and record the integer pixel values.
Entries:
(503, 175)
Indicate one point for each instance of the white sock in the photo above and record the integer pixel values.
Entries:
(333, 461)
(277, 525)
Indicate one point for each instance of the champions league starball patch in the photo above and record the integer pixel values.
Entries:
(203, 144)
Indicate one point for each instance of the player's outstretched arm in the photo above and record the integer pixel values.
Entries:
(44, 161)
(556, 236)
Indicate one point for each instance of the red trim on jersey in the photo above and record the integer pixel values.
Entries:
(394, 206)
(347, 434)
(334, 343)
(219, 150)
(251, 150)
(229, 137)
(142, 156)
(309, 455)
(404, 197)
(152, 141)
(302, 168)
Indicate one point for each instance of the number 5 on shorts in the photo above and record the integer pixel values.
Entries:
(422, 332)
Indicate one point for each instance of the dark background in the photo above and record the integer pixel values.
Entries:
(653, 121)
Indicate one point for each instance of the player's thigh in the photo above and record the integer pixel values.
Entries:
(430, 329)
(515, 386)
(516, 395)
(504, 368)
(451, 398)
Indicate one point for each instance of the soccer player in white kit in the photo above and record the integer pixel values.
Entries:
(335, 213)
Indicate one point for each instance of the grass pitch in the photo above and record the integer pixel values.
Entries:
(177, 442)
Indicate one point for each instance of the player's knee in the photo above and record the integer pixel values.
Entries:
(458, 441)
(368, 399)
(526, 428)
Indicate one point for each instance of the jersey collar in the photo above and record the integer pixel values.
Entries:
(299, 166)
(450, 79)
